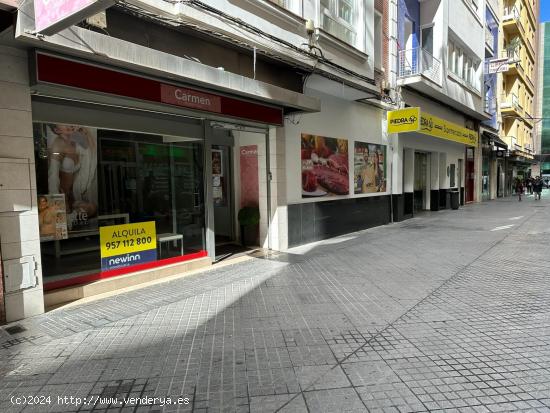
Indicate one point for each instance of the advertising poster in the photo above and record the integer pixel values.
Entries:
(217, 178)
(325, 169)
(217, 167)
(72, 171)
(127, 244)
(52, 217)
(250, 192)
(369, 168)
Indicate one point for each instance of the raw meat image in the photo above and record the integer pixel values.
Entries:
(325, 169)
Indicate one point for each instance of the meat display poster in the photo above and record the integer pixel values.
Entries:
(369, 163)
(325, 170)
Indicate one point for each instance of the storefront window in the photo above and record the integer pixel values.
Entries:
(111, 199)
(485, 178)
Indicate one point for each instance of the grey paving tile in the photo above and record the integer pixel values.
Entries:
(435, 313)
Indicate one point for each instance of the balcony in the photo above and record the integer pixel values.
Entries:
(419, 62)
(516, 68)
(510, 104)
(514, 62)
(511, 20)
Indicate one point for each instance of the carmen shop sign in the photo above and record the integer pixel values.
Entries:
(51, 16)
(57, 70)
(189, 98)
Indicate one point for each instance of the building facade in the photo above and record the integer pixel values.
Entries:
(139, 143)
(493, 149)
(543, 101)
(440, 70)
(519, 22)
(151, 138)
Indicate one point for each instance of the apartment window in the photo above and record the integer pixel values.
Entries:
(294, 6)
(339, 17)
(378, 42)
(469, 70)
(427, 38)
(450, 57)
(457, 57)
(463, 65)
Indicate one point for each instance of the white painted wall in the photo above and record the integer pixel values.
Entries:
(455, 19)
(337, 119)
(468, 26)
(289, 27)
(449, 153)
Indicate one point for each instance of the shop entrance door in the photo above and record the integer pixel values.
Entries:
(222, 194)
(460, 179)
(420, 181)
(470, 175)
(240, 188)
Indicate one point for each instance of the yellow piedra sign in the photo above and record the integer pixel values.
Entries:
(414, 120)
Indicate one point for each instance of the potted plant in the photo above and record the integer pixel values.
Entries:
(249, 218)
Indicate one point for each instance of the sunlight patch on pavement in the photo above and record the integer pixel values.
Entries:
(502, 227)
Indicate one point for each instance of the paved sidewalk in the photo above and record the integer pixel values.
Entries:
(447, 311)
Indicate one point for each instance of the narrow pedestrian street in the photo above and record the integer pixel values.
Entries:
(446, 311)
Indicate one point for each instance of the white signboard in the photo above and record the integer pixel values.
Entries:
(51, 16)
(497, 66)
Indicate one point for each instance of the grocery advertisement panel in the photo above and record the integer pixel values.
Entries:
(369, 163)
(325, 170)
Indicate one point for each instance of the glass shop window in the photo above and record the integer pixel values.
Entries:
(112, 200)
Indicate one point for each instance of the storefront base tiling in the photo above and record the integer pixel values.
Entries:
(310, 222)
(58, 296)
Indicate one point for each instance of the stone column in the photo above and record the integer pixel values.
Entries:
(19, 232)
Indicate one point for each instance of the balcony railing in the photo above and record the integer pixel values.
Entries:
(510, 101)
(511, 13)
(417, 61)
(512, 55)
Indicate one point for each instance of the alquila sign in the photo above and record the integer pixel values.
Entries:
(414, 120)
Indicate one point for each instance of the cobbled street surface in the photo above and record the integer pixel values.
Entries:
(446, 311)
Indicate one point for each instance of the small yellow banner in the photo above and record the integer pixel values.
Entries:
(404, 120)
(440, 128)
(413, 120)
(127, 238)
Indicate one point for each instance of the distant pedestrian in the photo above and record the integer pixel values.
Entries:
(537, 187)
(529, 185)
(519, 188)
